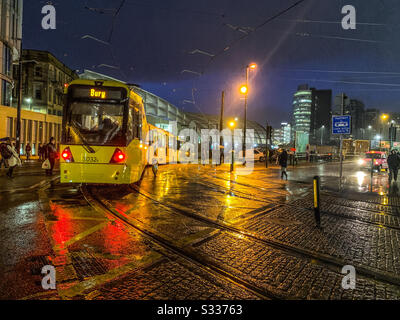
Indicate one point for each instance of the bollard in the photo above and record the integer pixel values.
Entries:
(317, 212)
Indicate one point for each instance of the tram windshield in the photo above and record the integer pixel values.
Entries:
(96, 123)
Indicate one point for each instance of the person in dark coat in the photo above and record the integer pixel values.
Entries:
(282, 160)
(393, 163)
(51, 155)
(28, 150)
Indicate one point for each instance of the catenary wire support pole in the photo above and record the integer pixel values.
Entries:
(266, 145)
(372, 175)
(294, 148)
(19, 101)
(317, 200)
(233, 150)
(341, 147)
(245, 115)
(221, 122)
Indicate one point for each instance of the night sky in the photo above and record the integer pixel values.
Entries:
(151, 41)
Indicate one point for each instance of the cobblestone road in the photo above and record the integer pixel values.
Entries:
(238, 237)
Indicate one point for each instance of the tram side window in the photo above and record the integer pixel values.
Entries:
(137, 123)
(130, 134)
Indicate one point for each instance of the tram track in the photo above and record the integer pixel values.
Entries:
(185, 253)
(333, 263)
(214, 268)
(338, 215)
(307, 185)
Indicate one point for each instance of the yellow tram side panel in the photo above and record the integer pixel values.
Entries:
(162, 155)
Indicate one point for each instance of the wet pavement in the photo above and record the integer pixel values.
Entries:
(201, 232)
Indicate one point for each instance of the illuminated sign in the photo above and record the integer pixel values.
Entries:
(97, 94)
(104, 93)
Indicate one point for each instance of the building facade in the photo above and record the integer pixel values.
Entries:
(321, 116)
(312, 111)
(286, 133)
(10, 45)
(277, 137)
(43, 80)
(302, 103)
(371, 122)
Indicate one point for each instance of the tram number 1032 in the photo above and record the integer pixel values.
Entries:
(89, 159)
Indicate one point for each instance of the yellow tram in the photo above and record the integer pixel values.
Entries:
(105, 137)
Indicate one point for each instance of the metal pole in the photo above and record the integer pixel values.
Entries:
(341, 149)
(322, 134)
(245, 114)
(221, 123)
(233, 150)
(317, 212)
(19, 101)
(266, 145)
(294, 147)
(372, 173)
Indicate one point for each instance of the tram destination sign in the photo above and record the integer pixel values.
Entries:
(341, 125)
(103, 93)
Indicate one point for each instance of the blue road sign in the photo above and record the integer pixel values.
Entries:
(341, 125)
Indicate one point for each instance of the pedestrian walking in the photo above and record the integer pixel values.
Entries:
(51, 155)
(282, 159)
(394, 163)
(10, 155)
(28, 150)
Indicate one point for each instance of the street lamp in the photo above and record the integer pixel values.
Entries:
(252, 66)
(244, 90)
(232, 125)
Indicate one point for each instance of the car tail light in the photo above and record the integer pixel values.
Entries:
(118, 156)
(67, 155)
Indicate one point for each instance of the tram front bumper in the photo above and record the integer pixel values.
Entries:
(95, 173)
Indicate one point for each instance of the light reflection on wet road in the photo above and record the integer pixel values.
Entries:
(89, 248)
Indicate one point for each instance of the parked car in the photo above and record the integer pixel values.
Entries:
(258, 155)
